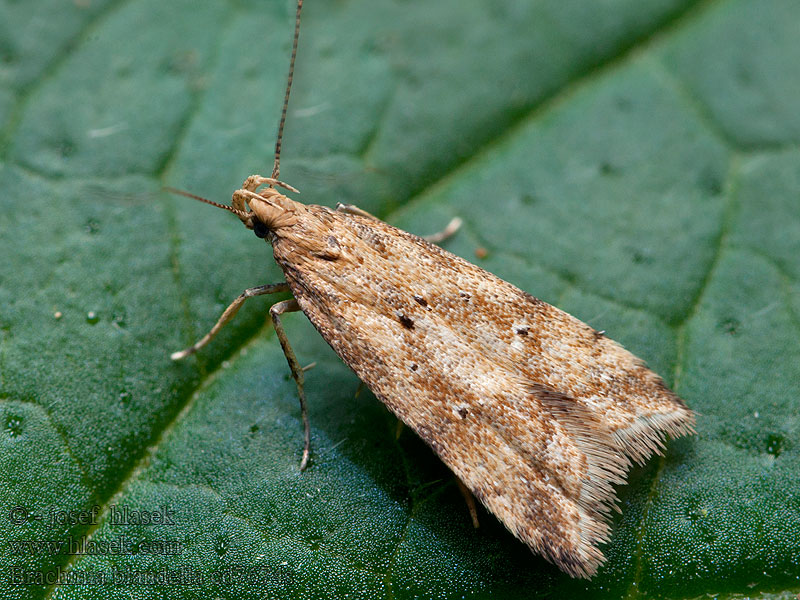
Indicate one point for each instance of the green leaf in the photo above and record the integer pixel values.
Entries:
(634, 163)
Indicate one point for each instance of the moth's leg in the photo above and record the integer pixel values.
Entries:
(452, 227)
(297, 371)
(440, 236)
(229, 313)
(470, 500)
(352, 209)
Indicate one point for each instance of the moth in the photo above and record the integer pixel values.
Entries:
(537, 413)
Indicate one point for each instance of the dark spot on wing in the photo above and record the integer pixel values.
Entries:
(532, 299)
(332, 251)
(405, 321)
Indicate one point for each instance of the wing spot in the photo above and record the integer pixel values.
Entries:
(523, 331)
(405, 321)
(421, 301)
(332, 251)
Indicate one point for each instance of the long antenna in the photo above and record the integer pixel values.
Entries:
(173, 190)
(276, 169)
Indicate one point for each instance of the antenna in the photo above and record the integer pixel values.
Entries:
(173, 190)
(276, 169)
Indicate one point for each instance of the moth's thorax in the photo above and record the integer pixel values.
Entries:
(310, 234)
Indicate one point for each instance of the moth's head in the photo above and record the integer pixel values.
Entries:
(261, 210)
(265, 210)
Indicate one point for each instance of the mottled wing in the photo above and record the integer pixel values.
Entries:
(535, 411)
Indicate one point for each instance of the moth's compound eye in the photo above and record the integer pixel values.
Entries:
(259, 228)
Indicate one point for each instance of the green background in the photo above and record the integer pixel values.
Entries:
(634, 163)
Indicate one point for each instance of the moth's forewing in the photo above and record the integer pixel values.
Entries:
(535, 411)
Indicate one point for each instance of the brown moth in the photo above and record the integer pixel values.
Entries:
(538, 414)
